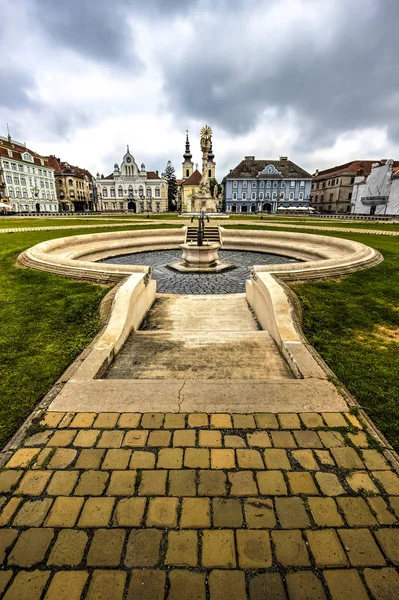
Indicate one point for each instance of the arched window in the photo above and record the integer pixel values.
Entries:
(70, 182)
(60, 182)
(48, 195)
(112, 192)
(209, 172)
(149, 192)
(120, 191)
(157, 192)
(130, 189)
(187, 172)
(141, 191)
(105, 192)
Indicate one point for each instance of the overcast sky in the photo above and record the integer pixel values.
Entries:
(317, 80)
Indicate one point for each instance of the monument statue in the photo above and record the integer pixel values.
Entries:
(203, 200)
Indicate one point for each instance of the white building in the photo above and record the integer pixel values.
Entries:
(377, 193)
(28, 178)
(131, 188)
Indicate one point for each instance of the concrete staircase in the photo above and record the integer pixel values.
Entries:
(211, 234)
(200, 338)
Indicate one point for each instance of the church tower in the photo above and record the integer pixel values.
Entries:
(187, 164)
(211, 163)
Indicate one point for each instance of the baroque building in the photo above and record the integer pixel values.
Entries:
(266, 185)
(131, 188)
(28, 178)
(378, 192)
(74, 186)
(332, 188)
(188, 186)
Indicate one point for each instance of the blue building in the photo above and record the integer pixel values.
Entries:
(266, 185)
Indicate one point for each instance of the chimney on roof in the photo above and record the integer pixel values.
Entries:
(316, 172)
(156, 172)
(249, 158)
(283, 157)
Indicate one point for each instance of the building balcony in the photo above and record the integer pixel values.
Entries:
(375, 201)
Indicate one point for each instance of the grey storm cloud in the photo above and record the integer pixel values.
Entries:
(334, 87)
(15, 87)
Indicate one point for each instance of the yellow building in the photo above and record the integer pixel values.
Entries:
(189, 187)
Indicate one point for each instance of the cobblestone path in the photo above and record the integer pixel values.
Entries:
(191, 507)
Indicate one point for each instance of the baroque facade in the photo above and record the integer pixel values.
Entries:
(332, 188)
(28, 178)
(131, 188)
(265, 185)
(74, 186)
(378, 192)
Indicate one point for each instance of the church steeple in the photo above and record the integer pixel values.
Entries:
(211, 163)
(187, 155)
(187, 164)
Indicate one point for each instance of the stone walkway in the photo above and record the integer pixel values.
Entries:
(192, 507)
(221, 222)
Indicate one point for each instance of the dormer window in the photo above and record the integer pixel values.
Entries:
(9, 153)
(27, 156)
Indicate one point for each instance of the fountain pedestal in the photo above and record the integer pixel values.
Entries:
(200, 259)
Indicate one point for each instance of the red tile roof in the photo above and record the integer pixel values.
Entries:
(194, 178)
(64, 168)
(18, 151)
(355, 167)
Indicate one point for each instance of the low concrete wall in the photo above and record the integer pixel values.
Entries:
(274, 312)
(76, 256)
(131, 303)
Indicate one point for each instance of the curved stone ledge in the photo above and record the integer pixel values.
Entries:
(76, 256)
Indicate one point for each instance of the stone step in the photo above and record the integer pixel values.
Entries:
(200, 355)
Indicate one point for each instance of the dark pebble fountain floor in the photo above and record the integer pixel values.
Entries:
(172, 282)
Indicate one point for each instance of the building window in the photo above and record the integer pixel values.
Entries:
(302, 184)
(244, 195)
(16, 180)
(281, 195)
(157, 192)
(105, 205)
(283, 185)
(24, 193)
(120, 191)
(267, 195)
(9, 179)
(6, 164)
(112, 192)
(300, 196)
(244, 184)
(234, 196)
(274, 195)
(269, 184)
(149, 193)
(262, 184)
(235, 184)
(331, 197)
(275, 184)
(209, 172)
(121, 205)
(158, 205)
(141, 191)
(261, 195)
(291, 195)
(21, 167)
(105, 192)
(253, 196)
(254, 184)
(292, 184)
(14, 166)
(70, 182)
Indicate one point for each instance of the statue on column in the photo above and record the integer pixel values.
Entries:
(203, 200)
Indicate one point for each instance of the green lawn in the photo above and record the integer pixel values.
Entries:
(45, 322)
(353, 322)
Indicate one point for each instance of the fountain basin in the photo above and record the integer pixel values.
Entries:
(200, 259)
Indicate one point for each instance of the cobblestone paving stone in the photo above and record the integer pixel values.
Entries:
(181, 507)
(227, 282)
